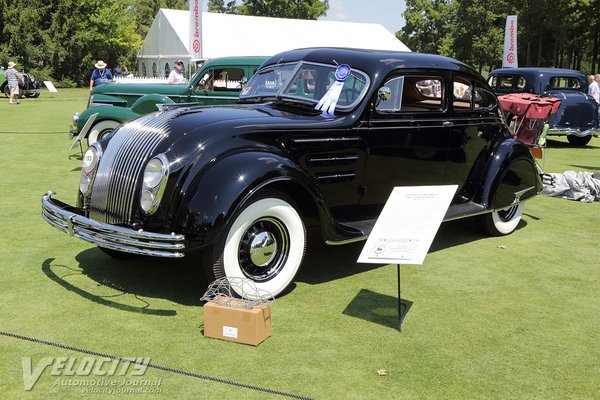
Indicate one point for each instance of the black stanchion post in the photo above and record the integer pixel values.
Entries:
(399, 302)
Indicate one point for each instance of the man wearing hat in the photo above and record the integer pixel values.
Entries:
(13, 82)
(100, 75)
(176, 76)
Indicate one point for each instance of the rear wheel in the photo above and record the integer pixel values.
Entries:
(100, 129)
(265, 243)
(502, 222)
(578, 140)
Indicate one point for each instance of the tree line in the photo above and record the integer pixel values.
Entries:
(61, 40)
(551, 33)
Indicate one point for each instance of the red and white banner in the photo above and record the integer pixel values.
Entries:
(195, 29)
(509, 56)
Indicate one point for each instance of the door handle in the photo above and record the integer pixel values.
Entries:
(447, 123)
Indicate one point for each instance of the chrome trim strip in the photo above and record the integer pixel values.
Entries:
(345, 241)
(572, 131)
(111, 236)
(329, 139)
(333, 159)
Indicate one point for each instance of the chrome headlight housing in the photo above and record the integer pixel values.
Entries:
(89, 166)
(154, 182)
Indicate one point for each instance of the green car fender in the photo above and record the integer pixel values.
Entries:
(142, 106)
(147, 103)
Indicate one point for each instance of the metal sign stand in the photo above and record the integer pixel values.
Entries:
(402, 309)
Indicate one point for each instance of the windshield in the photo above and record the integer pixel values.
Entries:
(306, 83)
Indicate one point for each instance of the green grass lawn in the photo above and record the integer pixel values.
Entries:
(515, 317)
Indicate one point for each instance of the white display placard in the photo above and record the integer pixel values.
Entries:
(407, 225)
(50, 87)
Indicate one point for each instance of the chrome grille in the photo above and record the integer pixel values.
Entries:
(122, 165)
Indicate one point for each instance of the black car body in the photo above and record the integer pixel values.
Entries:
(577, 116)
(237, 185)
(28, 86)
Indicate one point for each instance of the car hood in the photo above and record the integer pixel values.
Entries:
(183, 134)
(139, 88)
(577, 110)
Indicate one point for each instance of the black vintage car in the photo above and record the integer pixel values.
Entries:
(320, 138)
(28, 86)
(577, 116)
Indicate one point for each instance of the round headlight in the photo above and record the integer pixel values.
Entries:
(155, 170)
(154, 182)
(88, 167)
(147, 200)
(90, 160)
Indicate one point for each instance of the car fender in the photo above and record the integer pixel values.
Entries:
(220, 189)
(510, 175)
(119, 114)
(147, 103)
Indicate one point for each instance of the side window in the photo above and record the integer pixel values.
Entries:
(394, 103)
(462, 93)
(564, 82)
(228, 79)
(206, 82)
(412, 94)
(492, 80)
(506, 81)
(521, 83)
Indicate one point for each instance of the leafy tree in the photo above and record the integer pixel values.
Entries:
(428, 26)
(298, 9)
(145, 11)
(219, 6)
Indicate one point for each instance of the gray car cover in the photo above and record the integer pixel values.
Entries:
(580, 186)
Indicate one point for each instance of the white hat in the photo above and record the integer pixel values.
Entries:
(100, 64)
(11, 64)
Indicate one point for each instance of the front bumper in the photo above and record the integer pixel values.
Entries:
(573, 131)
(69, 220)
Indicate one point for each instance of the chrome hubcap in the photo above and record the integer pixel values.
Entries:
(264, 249)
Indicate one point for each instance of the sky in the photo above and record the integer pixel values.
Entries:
(385, 12)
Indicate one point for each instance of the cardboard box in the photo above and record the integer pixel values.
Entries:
(243, 325)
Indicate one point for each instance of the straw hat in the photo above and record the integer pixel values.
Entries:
(11, 64)
(100, 64)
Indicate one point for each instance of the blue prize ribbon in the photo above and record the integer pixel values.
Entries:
(342, 72)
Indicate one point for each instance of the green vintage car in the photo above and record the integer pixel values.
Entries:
(218, 81)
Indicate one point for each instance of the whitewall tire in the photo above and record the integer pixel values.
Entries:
(100, 129)
(503, 222)
(265, 243)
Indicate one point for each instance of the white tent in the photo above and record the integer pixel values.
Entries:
(242, 35)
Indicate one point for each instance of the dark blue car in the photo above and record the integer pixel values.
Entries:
(577, 117)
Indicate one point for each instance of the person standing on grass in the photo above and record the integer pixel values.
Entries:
(100, 75)
(593, 88)
(13, 82)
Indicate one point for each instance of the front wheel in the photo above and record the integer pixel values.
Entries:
(265, 243)
(502, 222)
(101, 129)
(578, 140)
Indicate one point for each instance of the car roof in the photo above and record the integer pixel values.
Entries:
(241, 60)
(373, 62)
(531, 71)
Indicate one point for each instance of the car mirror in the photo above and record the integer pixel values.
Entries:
(243, 81)
(384, 93)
